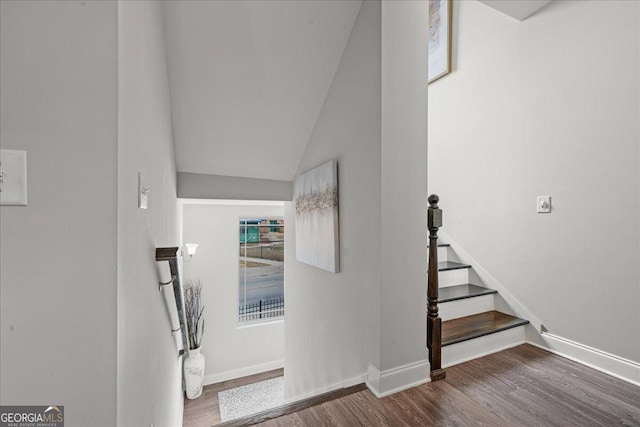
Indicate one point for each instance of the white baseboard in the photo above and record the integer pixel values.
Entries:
(243, 372)
(621, 368)
(359, 379)
(392, 381)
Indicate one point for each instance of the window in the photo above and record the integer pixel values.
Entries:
(261, 287)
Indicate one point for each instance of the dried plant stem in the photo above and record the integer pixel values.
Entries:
(194, 310)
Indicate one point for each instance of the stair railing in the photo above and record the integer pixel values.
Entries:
(171, 255)
(434, 322)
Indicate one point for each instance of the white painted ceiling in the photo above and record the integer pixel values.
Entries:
(519, 9)
(248, 80)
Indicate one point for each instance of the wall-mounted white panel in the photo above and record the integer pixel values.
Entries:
(13, 177)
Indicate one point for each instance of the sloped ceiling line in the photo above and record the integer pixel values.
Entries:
(518, 9)
(248, 80)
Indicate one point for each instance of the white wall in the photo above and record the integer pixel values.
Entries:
(58, 85)
(548, 106)
(403, 290)
(373, 313)
(149, 369)
(203, 186)
(230, 351)
(332, 329)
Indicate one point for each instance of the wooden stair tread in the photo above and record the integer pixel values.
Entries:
(477, 325)
(450, 265)
(442, 245)
(458, 292)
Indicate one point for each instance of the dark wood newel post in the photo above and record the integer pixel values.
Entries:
(434, 323)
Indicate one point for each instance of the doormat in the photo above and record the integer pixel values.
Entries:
(250, 399)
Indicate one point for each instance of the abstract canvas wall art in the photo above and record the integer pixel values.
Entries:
(439, 38)
(316, 202)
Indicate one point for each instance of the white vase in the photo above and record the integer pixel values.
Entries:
(194, 373)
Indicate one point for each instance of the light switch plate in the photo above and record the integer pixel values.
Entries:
(13, 178)
(544, 204)
(143, 192)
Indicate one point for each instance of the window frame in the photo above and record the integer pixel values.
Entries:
(265, 222)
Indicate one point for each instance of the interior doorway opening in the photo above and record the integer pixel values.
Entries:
(240, 261)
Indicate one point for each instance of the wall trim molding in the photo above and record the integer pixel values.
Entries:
(610, 364)
(243, 372)
(359, 379)
(390, 381)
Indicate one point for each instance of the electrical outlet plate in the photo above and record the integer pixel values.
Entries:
(544, 204)
(143, 192)
(13, 178)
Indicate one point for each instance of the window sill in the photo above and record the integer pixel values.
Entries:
(259, 323)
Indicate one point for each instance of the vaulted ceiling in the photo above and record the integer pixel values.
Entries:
(248, 80)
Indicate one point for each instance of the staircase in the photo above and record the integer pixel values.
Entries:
(462, 323)
(471, 327)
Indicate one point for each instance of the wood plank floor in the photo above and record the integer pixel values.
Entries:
(205, 412)
(523, 386)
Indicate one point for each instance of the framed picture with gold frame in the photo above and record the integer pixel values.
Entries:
(440, 12)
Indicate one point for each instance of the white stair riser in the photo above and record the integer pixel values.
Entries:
(459, 276)
(443, 253)
(478, 347)
(465, 307)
